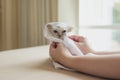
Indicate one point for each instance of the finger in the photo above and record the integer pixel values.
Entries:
(51, 46)
(60, 46)
(74, 37)
(54, 44)
(77, 38)
(80, 39)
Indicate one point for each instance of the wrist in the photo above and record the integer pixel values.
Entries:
(67, 61)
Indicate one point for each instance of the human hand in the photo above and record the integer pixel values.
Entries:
(59, 52)
(82, 44)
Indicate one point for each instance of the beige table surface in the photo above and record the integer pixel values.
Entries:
(34, 64)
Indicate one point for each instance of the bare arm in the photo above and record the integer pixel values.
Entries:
(106, 53)
(99, 65)
(102, 65)
(82, 44)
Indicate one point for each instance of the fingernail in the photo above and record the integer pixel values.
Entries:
(55, 46)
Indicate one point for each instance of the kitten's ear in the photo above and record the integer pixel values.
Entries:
(49, 26)
(70, 28)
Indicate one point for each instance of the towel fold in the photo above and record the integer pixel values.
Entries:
(60, 66)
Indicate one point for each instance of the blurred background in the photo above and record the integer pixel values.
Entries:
(99, 21)
(22, 21)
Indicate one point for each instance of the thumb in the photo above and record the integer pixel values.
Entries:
(60, 45)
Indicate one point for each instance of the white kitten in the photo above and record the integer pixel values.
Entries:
(57, 30)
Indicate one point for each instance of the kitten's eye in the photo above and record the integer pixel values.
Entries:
(55, 31)
(64, 31)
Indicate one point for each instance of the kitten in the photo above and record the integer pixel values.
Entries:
(57, 30)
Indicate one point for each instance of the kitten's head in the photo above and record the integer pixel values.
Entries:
(58, 29)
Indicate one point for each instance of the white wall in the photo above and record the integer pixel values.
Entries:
(68, 12)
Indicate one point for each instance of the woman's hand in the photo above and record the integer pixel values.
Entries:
(59, 53)
(82, 44)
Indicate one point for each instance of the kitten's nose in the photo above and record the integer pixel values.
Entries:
(59, 36)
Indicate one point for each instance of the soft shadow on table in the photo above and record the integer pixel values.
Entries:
(46, 65)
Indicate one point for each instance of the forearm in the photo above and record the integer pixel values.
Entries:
(105, 52)
(96, 65)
